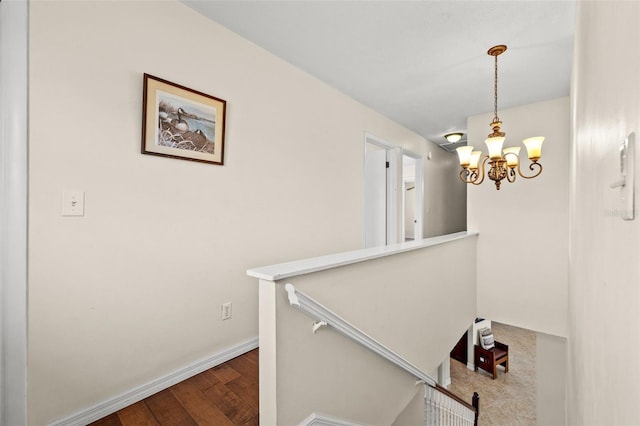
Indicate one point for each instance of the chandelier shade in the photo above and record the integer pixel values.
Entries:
(475, 159)
(464, 154)
(503, 163)
(494, 145)
(534, 147)
(511, 155)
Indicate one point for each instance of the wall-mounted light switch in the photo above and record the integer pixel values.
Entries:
(72, 203)
(626, 182)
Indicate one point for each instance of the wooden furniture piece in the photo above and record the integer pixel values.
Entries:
(489, 359)
(459, 351)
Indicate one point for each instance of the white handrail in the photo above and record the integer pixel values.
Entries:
(324, 316)
(286, 270)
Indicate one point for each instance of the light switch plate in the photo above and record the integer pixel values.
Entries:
(627, 180)
(72, 203)
(627, 170)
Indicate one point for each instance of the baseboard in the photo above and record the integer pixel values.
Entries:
(471, 366)
(322, 420)
(131, 397)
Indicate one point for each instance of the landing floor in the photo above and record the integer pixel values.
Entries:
(511, 398)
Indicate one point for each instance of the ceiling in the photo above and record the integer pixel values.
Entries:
(424, 64)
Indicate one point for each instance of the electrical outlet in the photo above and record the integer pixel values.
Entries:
(226, 311)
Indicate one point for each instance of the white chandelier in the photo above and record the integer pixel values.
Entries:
(503, 163)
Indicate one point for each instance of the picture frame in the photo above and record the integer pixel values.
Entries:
(179, 122)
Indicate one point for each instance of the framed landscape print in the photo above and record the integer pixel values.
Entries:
(179, 122)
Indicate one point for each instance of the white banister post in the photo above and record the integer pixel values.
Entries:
(267, 299)
(444, 372)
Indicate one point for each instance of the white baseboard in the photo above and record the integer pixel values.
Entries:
(322, 420)
(471, 366)
(131, 397)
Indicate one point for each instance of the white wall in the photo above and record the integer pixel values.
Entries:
(133, 289)
(524, 227)
(604, 295)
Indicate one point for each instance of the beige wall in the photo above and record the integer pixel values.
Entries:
(604, 295)
(524, 227)
(445, 209)
(551, 372)
(132, 290)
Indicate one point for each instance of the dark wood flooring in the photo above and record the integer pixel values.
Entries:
(223, 395)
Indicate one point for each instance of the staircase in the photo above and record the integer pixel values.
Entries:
(441, 407)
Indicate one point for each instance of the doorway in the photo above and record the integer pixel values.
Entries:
(394, 193)
(413, 196)
(381, 192)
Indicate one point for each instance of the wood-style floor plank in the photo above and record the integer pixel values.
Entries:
(224, 373)
(110, 420)
(234, 407)
(246, 389)
(168, 410)
(204, 380)
(199, 406)
(245, 367)
(226, 395)
(137, 414)
(253, 356)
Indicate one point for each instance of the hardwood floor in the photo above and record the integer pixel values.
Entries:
(223, 395)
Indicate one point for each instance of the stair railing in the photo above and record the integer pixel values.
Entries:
(441, 406)
(445, 408)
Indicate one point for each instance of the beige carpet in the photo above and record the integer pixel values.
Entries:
(510, 399)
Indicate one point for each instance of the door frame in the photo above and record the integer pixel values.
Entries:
(393, 179)
(14, 23)
(419, 197)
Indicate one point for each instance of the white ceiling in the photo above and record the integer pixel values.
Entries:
(422, 63)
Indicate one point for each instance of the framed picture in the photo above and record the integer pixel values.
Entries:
(179, 122)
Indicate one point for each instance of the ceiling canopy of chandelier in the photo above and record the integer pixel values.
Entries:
(503, 163)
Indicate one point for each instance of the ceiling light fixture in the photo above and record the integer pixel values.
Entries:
(502, 163)
(453, 137)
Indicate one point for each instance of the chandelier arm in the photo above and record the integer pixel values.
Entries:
(481, 170)
(469, 176)
(464, 173)
(472, 176)
(532, 167)
(511, 173)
